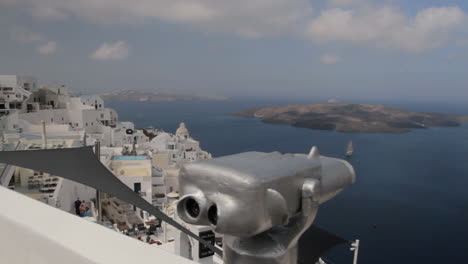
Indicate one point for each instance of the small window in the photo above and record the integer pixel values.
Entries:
(86, 124)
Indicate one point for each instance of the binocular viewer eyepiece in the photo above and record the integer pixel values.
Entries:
(195, 210)
(191, 211)
(192, 207)
(248, 193)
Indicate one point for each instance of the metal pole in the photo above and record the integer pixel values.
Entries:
(44, 134)
(134, 153)
(97, 151)
(2, 143)
(356, 250)
(165, 224)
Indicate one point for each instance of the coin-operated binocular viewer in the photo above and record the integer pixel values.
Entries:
(261, 202)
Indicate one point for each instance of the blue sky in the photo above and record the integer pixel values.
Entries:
(345, 49)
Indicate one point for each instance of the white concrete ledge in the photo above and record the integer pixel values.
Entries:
(33, 232)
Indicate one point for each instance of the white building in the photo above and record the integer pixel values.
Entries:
(149, 167)
(56, 106)
(95, 101)
(14, 90)
(135, 172)
(173, 150)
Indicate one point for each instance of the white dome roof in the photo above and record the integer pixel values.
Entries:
(182, 130)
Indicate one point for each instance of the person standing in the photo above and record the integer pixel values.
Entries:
(82, 209)
(77, 206)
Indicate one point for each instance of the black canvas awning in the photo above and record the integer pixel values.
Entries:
(315, 242)
(81, 165)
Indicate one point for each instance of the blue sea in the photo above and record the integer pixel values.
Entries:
(410, 201)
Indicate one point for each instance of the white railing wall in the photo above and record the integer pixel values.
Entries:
(34, 233)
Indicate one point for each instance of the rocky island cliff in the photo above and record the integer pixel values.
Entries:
(145, 96)
(353, 117)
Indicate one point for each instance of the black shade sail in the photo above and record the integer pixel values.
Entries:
(315, 242)
(81, 165)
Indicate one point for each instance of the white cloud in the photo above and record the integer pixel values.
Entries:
(462, 42)
(359, 22)
(329, 59)
(250, 18)
(24, 35)
(47, 48)
(345, 2)
(116, 51)
(48, 12)
(387, 27)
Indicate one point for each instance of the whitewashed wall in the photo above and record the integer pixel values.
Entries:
(35, 233)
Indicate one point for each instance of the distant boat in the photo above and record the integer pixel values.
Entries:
(349, 149)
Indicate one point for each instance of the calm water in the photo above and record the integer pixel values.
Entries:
(410, 201)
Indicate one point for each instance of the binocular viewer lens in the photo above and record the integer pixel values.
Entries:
(192, 207)
(213, 214)
(195, 210)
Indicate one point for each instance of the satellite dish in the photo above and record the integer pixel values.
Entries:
(129, 131)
